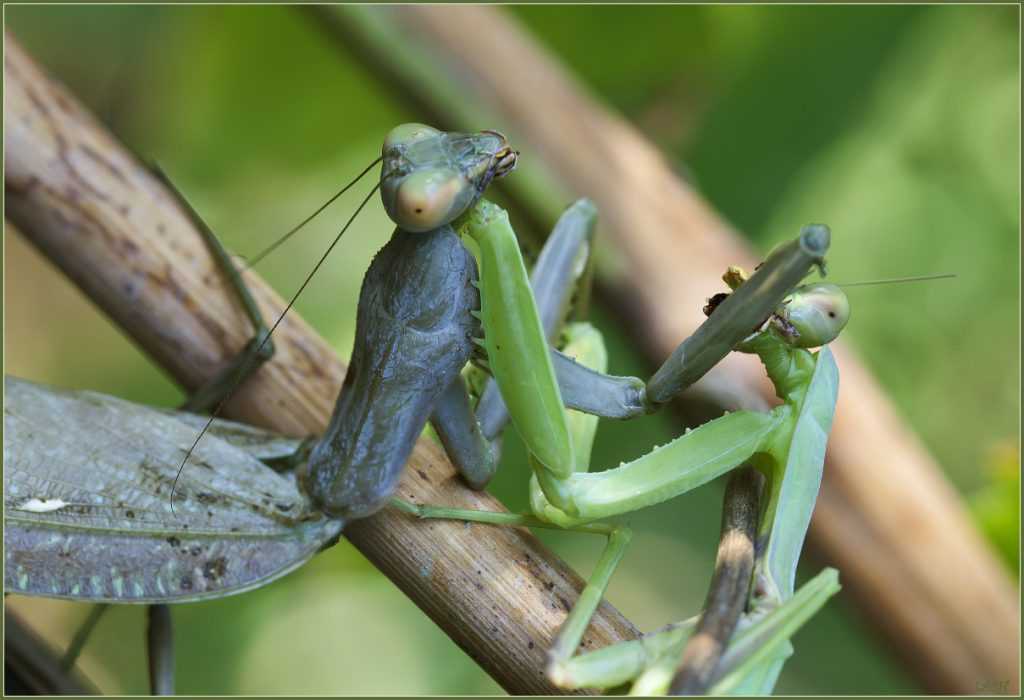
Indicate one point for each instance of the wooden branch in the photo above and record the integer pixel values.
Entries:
(730, 586)
(888, 518)
(110, 226)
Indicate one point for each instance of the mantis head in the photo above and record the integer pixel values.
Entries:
(430, 177)
(817, 313)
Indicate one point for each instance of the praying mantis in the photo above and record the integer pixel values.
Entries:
(447, 304)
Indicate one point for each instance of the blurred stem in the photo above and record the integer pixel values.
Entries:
(82, 635)
(32, 666)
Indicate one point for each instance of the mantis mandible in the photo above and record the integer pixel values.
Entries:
(451, 288)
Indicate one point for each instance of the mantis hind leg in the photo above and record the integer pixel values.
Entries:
(571, 632)
(260, 347)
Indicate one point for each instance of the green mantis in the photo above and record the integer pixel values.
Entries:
(451, 288)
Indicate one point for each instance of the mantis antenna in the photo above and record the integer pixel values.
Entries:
(216, 411)
(896, 280)
(273, 246)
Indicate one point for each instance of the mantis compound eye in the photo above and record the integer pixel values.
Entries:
(818, 312)
(407, 134)
(430, 177)
(427, 199)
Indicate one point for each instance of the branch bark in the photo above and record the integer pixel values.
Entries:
(887, 516)
(730, 586)
(86, 202)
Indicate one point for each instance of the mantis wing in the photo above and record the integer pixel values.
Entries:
(87, 515)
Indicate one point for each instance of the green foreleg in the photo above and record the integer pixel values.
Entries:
(585, 345)
(554, 281)
(517, 348)
(682, 465)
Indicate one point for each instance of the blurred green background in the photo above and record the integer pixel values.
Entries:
(898, 126)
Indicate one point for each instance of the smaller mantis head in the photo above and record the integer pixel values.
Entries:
(817, 313)
(430, 177)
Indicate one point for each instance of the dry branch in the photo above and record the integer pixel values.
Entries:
(730, 585)
(90, 207)
(887, 517)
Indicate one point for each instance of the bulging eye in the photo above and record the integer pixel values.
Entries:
(427, 199)
(405, 134)
(819, 312)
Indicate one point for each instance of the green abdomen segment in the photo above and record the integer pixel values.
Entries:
(517, 350)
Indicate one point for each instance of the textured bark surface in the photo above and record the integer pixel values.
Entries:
(730, 586)
(887, 516)
(90, 207)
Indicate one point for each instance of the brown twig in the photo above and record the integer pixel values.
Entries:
(730, 586)
(86, 202)
(887, 516)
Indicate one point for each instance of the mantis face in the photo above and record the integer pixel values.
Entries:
(817, 312)
(430, 177)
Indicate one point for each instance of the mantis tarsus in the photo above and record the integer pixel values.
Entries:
(451, 288)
